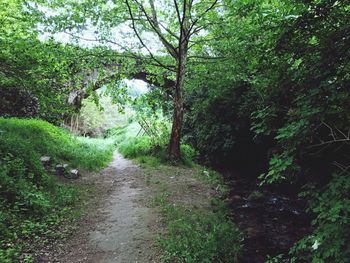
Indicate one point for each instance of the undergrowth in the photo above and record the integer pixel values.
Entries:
(145, 150)
(195, 235)
(148, 149)
(33, 203)
(199, 236)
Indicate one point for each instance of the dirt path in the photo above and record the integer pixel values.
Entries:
(118, 228)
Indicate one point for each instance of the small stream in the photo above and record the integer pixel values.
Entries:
(271, 220)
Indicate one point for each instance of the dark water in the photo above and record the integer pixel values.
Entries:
(272, 220)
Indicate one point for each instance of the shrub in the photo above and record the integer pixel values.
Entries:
(329, 242)
(140, 147)
(136, 147)
(189, 154)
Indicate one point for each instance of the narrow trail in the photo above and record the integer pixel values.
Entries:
(118, 227)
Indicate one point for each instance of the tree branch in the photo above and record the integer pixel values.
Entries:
(169, 31)
(140, 39)
(202, 15)
(339, 137)
(177, 12)
(206, 57)
(153, 22)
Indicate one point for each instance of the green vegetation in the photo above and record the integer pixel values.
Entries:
(199, 236)
(32, 202)
(146, 150)
(99, 115)
(148, 144)
(31, 139)
(280, 100)
(259, 87)
(194, 232)
(332, 207)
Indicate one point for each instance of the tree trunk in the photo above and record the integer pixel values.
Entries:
(174, 152)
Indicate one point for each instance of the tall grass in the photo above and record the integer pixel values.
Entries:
(30, 139)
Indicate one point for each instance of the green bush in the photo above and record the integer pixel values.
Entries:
(140, 147)
(136, 147)
(189, 154)
(31, 201)
(329, 242)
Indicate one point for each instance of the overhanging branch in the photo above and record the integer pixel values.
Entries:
(141, 41)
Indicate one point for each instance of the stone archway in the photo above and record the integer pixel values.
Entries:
(94, 79)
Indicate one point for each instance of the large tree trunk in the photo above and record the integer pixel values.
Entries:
(174, 152)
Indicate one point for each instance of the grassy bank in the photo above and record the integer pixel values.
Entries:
(32, 202)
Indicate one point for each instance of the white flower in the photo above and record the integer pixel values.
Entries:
(316, 245)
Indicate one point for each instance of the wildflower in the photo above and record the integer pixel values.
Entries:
(315, 245)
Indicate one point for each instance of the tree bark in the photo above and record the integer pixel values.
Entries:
(174, 152)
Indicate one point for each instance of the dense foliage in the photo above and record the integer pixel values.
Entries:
(282, 94)
(38, 75)
(30, 69)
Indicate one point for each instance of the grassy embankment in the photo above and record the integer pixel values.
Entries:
(190, 198)
(34, 203)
